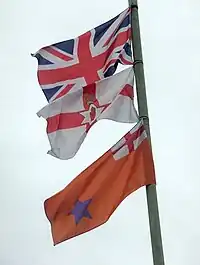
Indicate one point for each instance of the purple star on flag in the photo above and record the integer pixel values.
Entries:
(80, 210)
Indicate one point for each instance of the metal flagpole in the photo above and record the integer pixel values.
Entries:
(154, 222)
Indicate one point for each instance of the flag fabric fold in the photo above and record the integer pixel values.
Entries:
(70, 117)
(91, 198)
(64, 66)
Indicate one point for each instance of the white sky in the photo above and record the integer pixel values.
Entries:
(171, 41)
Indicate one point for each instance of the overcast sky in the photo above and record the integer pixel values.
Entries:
(171, 40)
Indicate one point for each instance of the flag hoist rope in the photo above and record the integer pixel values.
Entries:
(154, 222)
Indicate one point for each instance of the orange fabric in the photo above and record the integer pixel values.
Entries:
(107, 182)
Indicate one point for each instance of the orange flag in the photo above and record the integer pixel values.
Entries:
(91, 198)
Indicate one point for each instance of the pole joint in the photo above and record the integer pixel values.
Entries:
(137, 62)
(144, 117)
(134, 6)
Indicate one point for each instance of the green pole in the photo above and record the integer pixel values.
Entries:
(154, 222)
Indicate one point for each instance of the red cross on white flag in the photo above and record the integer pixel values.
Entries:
(70, 117)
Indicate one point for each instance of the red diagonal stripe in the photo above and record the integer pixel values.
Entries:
(124, 61)
(117, 28)
(111, 62)
(65, 91)
(120, 40)
(57, 54)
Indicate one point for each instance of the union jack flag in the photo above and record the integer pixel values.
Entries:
(66, 66)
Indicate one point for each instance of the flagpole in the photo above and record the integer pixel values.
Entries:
(154, 220)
